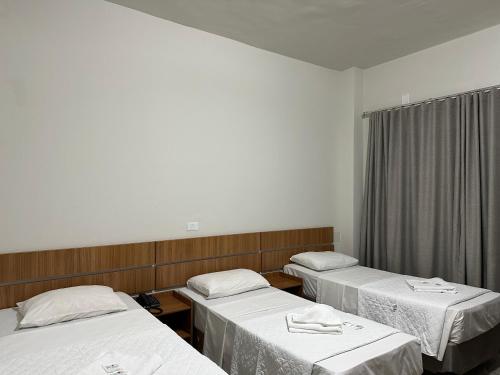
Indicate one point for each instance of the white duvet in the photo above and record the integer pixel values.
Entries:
(71, 348)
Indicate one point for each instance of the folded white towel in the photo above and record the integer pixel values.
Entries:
(318, 314)
(294, 327)
(315, 319)
(313, 332)
(130, 365)
(434, 285)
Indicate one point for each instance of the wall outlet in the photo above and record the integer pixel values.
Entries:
(194, 225)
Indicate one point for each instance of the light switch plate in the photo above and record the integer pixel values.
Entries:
(405, 99)
(194, 225)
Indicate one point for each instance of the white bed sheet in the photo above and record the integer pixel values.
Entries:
(256, 312)
(471, 318)
(67, 348)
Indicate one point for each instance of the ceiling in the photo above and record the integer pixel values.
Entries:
(336, 34)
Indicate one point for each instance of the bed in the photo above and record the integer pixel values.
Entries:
(69, 347)
(472, 326)
(247, 334)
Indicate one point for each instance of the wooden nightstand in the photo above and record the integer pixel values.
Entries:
(177, 313)
(288, 283)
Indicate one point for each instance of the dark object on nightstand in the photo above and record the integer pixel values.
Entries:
(288, 283)
(175, 312)
(149, 302)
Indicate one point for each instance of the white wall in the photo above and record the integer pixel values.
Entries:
(347, 161)
(462, 64)
(116, 127)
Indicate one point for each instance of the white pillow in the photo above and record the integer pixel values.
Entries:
(227, 283)
(65, 304)
(323, 260)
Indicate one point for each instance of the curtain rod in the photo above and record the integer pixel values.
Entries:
(368, 113)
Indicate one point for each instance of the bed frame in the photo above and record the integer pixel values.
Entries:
(151, 266)
(460, 358)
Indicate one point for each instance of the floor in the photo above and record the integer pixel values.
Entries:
(489, 368)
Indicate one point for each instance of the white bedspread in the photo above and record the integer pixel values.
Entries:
(424, 315)
(131, 364)
(281, 352)
(339, 288)
(216, 347)
(70, 348)
(249, 336)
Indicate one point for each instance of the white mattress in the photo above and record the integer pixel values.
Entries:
(393, 354)
(472, 318)
(67, 348)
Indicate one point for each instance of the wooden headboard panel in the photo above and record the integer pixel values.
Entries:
(123, 267)
(278, 246)
(178, 260)
(148, 266)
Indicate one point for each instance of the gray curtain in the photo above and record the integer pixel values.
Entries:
(432, 190)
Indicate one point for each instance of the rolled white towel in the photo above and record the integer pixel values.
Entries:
(294, 327)
(318, 314)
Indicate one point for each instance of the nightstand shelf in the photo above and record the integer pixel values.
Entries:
(288, 283)
(184, 334)
(176, 313)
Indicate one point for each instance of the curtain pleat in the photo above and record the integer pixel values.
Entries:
(431, 205)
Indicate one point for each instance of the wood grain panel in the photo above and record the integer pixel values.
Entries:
(206, 247)
(129, 281)
(296, 237)
(275, 260)
(175, 275)
(53, 263)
